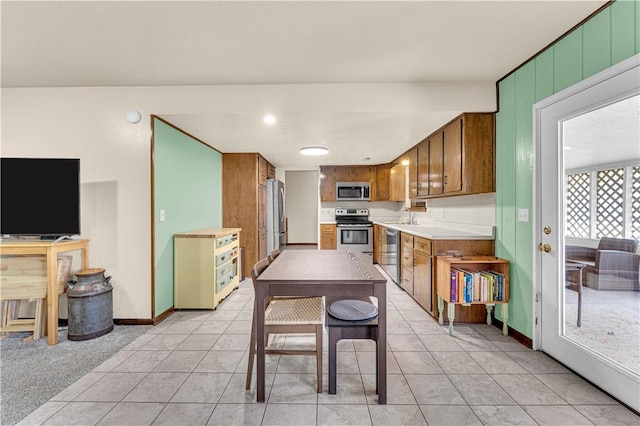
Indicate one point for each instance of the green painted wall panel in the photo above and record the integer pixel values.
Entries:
(622, 30)
(555, 69)
(522, 308)
(188, 187)
(505, 131)
(567, 60)
(544, 74)
(596, 44)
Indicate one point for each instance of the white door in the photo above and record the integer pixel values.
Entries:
(557, 150)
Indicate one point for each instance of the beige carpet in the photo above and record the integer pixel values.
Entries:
(610, 330)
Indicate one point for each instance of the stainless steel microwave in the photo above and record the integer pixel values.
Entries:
(353, 191)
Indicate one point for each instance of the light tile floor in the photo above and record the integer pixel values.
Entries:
(191, 369)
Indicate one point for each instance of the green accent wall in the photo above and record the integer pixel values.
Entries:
(604, 40)
(188, 187)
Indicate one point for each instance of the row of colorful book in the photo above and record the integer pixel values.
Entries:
(469, 286)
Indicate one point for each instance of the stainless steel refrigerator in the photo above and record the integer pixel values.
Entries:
(276, 238)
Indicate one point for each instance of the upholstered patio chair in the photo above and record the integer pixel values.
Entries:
(614, 265)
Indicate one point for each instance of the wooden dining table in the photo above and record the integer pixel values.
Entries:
(337, 273)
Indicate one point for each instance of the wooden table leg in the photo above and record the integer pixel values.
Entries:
(380, 292)
(334, 337)
(85, 256)
(261, 293)
(52, 297)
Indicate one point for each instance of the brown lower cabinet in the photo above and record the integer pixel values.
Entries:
(328, 236)
(418, 272)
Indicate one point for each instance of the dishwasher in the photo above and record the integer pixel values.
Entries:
(392, 255)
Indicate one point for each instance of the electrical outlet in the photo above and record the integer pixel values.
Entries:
(523, 215)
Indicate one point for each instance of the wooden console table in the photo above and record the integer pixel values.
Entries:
(51, 250)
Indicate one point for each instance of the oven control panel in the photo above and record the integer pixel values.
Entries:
(352, 212)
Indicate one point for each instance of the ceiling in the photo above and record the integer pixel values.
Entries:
(291, 59)
(616, 126)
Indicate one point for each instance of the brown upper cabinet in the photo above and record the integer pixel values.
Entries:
(469, 155)
(382, 191)
(397, 182)
(435, 164)
(387, 182)
(452, 157)
(423, 168)
(262, 170)
(457, 159)
(327, 183)
(411, 157)
(354, 173)
(271, 171)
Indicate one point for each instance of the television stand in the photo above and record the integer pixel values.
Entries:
(51, 251)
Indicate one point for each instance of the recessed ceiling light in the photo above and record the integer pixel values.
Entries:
(269, 119)
(366, 159)
(314, 150)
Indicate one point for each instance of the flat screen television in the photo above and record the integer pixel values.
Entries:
(40, 197)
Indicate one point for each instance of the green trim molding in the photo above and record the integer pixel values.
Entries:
(605, 39)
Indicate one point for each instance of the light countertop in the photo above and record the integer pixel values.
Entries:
(208, 233)
(435, 231)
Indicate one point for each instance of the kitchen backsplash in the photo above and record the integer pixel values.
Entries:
(477, 209)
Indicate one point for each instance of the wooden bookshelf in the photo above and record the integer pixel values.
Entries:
(444, 265)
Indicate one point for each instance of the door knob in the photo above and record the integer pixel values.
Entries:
(544, 247)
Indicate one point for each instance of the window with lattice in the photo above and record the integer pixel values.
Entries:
(635, 203)
(578, 205)
(603, 203)
(610, 203)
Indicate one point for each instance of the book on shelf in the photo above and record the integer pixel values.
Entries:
(467, 286)
(454, 285)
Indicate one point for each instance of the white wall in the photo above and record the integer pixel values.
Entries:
(301, 189)
(114, 168)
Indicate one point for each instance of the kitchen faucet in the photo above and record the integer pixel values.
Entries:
(411, 220)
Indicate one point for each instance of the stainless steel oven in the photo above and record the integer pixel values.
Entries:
(355, 231)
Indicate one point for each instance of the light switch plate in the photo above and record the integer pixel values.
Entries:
(161, 215)
(523, 215)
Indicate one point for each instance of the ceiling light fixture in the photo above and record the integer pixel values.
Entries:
(314, 150)
(269, 119)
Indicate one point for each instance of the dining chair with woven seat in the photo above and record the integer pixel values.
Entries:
(272, 256)
(291, 316)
